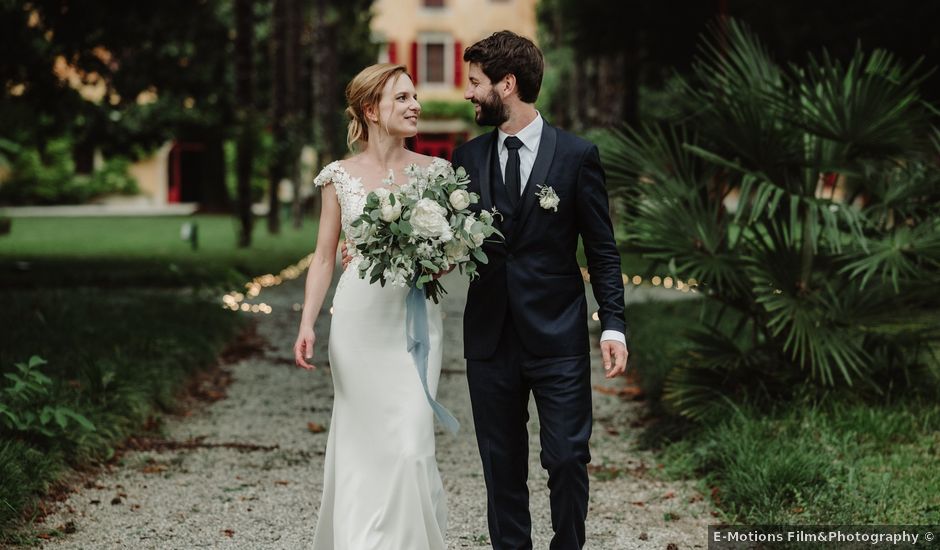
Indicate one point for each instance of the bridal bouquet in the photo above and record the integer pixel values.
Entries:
(408, 233)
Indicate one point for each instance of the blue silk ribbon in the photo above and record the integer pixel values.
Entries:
(419, 345)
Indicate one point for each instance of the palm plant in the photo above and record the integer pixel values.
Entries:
(806, 201)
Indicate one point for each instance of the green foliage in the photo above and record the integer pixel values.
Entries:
(49, 177)
(117, 374)
(820, 285)
(263, 150)
(7, 149)
(176, 52)
(437, 109)
(26, 408)
(846, 463)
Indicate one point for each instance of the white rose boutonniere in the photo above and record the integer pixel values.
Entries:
(548, 199)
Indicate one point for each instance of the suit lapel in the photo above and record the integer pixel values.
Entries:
(483, 171)
(543, 161)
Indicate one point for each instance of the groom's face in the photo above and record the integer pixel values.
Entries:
(487, 103)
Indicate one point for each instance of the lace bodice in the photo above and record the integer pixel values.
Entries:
(350, 191)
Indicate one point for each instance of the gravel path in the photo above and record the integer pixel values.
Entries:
(267, 497)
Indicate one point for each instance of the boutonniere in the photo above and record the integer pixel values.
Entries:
(548, 199)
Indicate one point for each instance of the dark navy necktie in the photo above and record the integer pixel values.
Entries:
(513, 176)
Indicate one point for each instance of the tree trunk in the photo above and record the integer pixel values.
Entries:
(296, 84)
(278, 168)
(324, 90)
(215, 196)
(630, 82)
(244, 101)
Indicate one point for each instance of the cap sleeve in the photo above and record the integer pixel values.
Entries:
(326, 176)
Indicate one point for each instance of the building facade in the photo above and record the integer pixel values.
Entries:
(429, 37)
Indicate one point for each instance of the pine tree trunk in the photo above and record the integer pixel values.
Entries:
(244, 100)
(278, 167)
(297, 73)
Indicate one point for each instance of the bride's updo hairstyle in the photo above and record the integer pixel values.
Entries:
(363, 90)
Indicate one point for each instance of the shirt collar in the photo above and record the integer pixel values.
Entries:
(529, 135)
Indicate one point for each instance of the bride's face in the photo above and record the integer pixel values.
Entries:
(398, 110)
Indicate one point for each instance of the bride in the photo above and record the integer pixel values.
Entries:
(381, 485)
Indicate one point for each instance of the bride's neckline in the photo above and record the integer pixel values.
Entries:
(358, 179)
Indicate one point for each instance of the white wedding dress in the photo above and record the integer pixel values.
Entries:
(381, 485)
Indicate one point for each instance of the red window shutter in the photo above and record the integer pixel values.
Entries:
(414, 62)
(458, 64)
(393, 52)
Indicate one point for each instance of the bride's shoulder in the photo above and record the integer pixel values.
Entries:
(330, 174)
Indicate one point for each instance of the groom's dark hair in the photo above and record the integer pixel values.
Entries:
(506, 52)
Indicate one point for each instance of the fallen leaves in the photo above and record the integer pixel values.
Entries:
(604, 472)
(153, 468)
(624, 392)
(315, 428)
(156, 444)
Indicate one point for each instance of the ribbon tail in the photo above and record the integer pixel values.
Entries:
(419, 345)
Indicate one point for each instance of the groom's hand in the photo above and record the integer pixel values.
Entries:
(615, 357)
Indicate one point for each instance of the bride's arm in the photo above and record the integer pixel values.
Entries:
(319, 275)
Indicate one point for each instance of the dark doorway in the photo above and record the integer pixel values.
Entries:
(187, 170)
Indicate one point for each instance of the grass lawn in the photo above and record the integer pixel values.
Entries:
(843, 461)
(136, 251)
(109, 304)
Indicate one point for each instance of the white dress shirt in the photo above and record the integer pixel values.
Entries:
(531, 136)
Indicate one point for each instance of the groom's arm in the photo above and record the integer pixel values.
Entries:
(597, 234)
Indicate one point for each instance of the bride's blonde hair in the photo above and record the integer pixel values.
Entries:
(365, 89)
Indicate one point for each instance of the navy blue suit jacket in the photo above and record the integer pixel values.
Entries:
(534, 273)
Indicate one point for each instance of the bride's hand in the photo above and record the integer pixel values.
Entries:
(303, 348)
(346, 257)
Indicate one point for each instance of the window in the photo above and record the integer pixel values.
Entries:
(434, 63)
(434, 59)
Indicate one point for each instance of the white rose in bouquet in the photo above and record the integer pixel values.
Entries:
(460, 199)
(390, 212)
(429, 220)
(383, 194)
(477, 237)
(456, 251)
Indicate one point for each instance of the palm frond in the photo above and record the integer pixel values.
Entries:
(872, 103)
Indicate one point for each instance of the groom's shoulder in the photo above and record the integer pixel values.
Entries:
(572, 143)
(474, 145)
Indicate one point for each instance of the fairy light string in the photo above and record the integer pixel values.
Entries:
(241, 300)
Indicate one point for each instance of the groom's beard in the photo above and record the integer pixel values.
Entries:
(493, 111)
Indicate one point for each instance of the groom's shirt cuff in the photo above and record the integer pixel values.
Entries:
(615, 335)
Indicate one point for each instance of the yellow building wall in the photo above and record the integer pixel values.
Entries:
(466, 21)
(152, 176)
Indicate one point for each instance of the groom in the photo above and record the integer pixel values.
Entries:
(525, 323)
